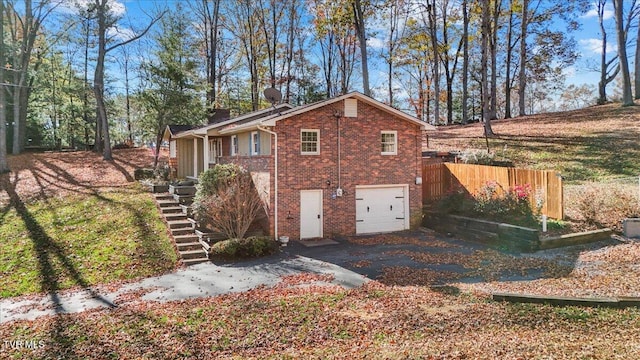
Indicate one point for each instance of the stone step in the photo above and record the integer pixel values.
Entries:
(167, 203)
(193, 254)
(183, 199)
(179, 224)
(182, 190)
(188, 238)
(181, 232)
(173, 217)
(188, 262)
(187, 246)
(163, 196)
(172, 210)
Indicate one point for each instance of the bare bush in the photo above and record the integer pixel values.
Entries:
(231, 206)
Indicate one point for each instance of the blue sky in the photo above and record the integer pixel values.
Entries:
(588, 39)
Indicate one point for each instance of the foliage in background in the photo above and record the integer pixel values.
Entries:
(493, 202)
(227, 201)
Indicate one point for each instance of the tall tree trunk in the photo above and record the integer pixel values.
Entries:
(507, 79)
(98, 79)
(465, 62)
(602, 85)
(127, 98)
(493, 111)
(637, 65)
(627, 98)
(522, 77)
(486, 32)
(293, 21)
(433, 32)
(85, 88)
(4, 166)
(362, 39)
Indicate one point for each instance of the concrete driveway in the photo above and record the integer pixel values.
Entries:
(419, 257)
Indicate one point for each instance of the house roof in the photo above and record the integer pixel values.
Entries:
(271, 119)
(204, 130)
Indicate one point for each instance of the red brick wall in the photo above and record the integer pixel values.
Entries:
(361, 164)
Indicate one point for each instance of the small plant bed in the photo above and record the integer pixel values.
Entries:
(506, 218)
(253, 246)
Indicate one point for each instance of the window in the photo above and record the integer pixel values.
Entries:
(172, 149)
(215, 150)
(255, 143)
(310, 142)
(389, 141)
(234, 145)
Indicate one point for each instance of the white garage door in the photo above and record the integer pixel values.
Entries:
(381, 209)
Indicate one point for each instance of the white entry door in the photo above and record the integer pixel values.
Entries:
(310, 214)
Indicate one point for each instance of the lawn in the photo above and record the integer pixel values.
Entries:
(82, 240)
(73, 220)
(593, 144)
(310, 322)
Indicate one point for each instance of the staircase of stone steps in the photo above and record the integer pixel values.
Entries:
(172, 206)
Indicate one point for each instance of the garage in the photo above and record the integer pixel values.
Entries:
(382, 208)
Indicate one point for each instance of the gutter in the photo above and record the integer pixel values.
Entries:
(275, 201)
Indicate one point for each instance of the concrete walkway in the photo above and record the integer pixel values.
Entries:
(202, 280)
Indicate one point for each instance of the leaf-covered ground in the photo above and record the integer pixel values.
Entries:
(594, 143)
(303, 320)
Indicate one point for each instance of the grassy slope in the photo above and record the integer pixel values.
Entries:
(70, 219)
(595, 143)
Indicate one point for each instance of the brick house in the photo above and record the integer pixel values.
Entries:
(344, 166)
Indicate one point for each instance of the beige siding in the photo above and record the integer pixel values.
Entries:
(200, 157)
(184, 148)
(265, 143)
(243, 144)
(244, 139)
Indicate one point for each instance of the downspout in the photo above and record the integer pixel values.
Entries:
(275, 181)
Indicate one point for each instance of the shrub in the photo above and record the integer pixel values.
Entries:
(227, 201)
(253, 246)
(479, 157)
(141, 174)
(494, 203)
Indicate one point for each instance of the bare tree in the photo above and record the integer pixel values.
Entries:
(105, 19)
(4, 167)
(358, 16)
(621, 31)
(522, 77)
(24, 31)
(465, 61)
(486, 32)
(607, 74)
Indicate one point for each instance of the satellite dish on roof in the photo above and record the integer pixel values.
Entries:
(273, 95)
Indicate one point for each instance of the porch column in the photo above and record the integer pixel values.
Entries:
(206, 152)
(195, 157)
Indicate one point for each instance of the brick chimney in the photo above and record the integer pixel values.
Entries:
(219, 115)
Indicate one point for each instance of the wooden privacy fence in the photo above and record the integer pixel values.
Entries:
(439, 178)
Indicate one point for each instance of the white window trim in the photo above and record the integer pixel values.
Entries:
(213, 151)
(234, 145)
(395, 145)
(255, 150)
(317, 152)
